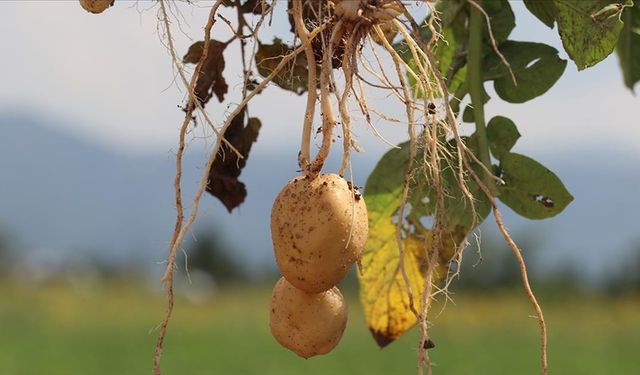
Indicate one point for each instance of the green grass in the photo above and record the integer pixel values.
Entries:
(58, 330)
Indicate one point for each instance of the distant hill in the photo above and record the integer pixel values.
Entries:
(63, 197)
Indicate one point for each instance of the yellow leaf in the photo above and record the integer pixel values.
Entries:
(384, 292)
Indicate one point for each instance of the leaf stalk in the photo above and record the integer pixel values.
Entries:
(475, 84)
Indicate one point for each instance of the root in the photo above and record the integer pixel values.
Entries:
(527, 287)
(436, 157)
(167, 279)
(523, 270)
(347, 59)
(181, 229)
(432, 173)
(328, 117)
(164, 17)
(397, 61)
(312, 93)
(489, 195)
(422, 53)
(364, 108)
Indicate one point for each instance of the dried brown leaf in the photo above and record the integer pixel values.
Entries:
(294, 77)
(226, 168)
(211, 81)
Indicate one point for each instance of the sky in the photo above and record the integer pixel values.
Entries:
(111, 78)
(108, 79)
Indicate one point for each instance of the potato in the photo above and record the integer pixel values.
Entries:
(96, 6)
(308, 324)
(319, 228)
(348, 9)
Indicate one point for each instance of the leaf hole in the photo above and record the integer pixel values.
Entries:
(543, 200)
(427, 221)
(532, 63)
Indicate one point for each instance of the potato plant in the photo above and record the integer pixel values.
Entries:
(433, 59)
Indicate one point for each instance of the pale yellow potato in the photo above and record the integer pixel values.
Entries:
(96, 6)
(347, 9)
(308, 324)
(319, 228)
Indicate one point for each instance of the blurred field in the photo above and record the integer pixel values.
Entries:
(107, 330)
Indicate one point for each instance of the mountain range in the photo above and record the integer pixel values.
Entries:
(64, 198)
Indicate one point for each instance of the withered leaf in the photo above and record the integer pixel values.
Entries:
(319, 44)
(315, 13)
(253, 6)
(210, 81)
(293, 77)
(226, 168)
(247, 6)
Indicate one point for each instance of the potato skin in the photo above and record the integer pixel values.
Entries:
(96, 6)
(319, 228)
(308, 324)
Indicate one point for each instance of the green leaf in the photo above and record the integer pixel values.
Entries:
(385, 182)
(536, 67)
(589, 29)
(458, 217)
(531, 189)
(388, 176)
(545, 11)
(502, 19)
(458, 214)
(467, 115)
(451, 59)
(629, 45)
(502, 134)
(449, 51)
(405, 54)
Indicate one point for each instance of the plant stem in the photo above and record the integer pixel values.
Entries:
(476, 90)
(454, 103)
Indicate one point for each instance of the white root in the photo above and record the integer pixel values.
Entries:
(312, 93)
(328, 117)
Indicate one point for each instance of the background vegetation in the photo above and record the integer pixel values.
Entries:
(59, 329)
(102, 322)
